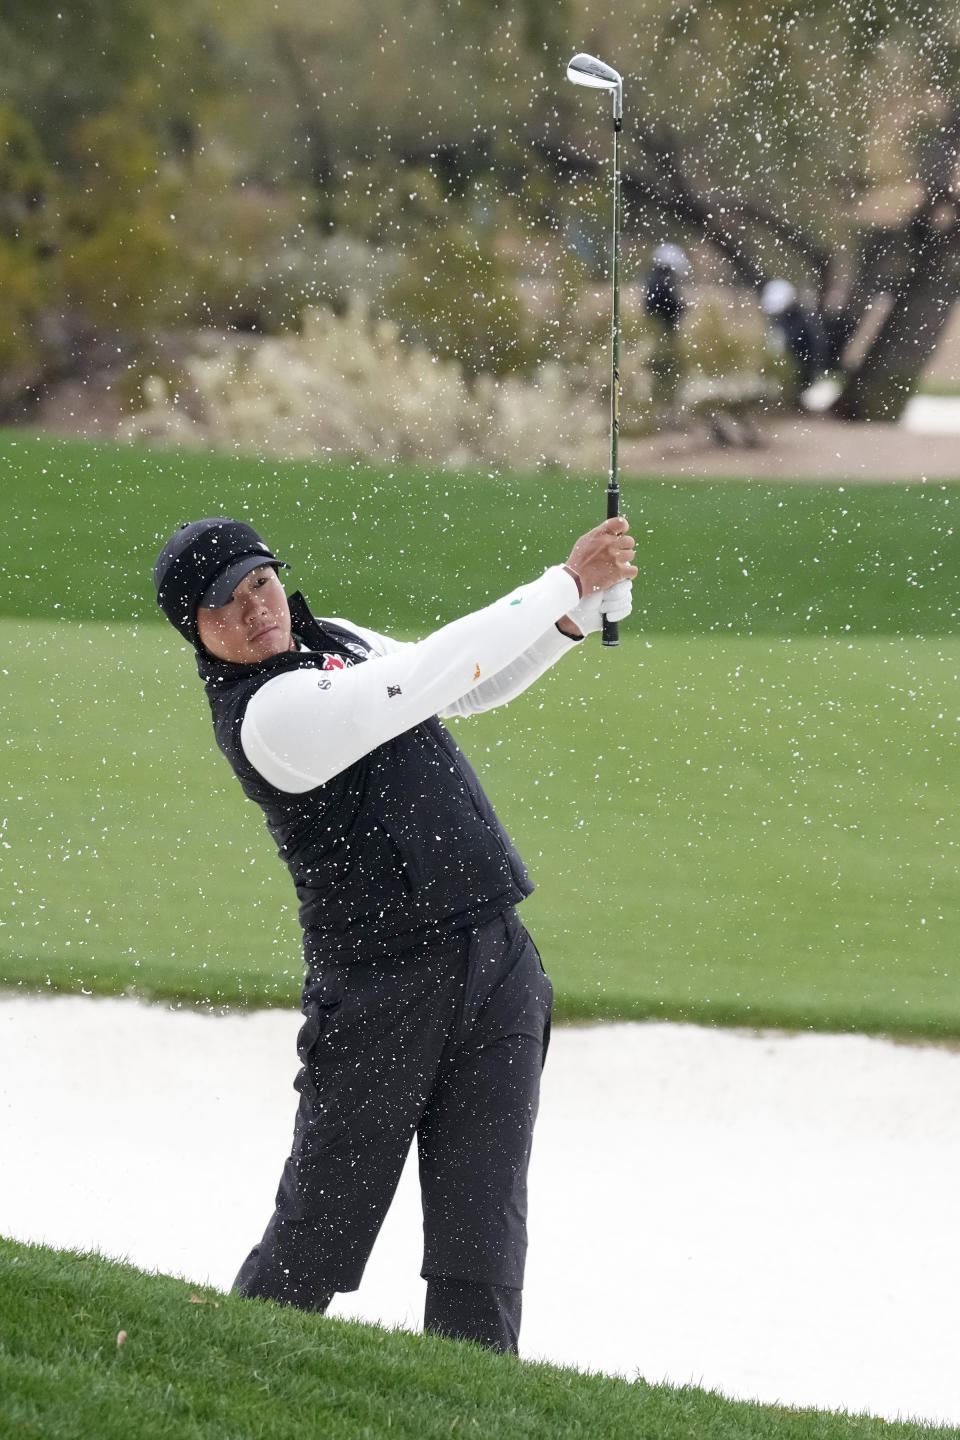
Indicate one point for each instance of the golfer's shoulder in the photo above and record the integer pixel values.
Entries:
(303, 686)
(361, 640)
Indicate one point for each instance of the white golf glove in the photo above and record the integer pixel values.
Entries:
(615, 602)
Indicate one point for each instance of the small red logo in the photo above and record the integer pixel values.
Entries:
(333, 662)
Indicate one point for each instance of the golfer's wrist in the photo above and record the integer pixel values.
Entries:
(576, 578)
(569, 628)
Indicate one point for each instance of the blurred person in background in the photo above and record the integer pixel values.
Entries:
(797, 335)
(665, 304)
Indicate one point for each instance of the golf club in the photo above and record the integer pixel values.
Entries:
(589, 71)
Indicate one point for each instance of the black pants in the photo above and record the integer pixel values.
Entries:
(447, 1045)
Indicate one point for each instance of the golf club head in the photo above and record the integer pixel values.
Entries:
(588, 70)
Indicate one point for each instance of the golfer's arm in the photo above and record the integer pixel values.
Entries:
(514, 678)
(509, 682)
(498, 689)
(304, 726)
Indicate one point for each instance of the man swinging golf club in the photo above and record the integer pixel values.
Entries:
(426, 1008)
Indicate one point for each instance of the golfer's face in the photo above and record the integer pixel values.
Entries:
(254, 625)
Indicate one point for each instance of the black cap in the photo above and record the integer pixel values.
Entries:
(202, 564)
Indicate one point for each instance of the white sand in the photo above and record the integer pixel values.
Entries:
(770, 1216)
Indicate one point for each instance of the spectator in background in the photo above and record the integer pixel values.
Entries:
(797, 331)
(665, 304)
(663, 299)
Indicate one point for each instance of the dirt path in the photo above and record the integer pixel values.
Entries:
(809, 448)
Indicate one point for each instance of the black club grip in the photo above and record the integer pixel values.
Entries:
(611, 628)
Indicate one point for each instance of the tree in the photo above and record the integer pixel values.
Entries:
(819, 143)
(116, 221)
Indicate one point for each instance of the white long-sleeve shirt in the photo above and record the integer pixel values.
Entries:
(304, 726)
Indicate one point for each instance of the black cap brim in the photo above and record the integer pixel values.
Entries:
(221, 591)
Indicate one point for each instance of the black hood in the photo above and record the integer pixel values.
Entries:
(192, 559)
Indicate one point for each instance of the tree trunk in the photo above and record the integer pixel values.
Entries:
(888, 374)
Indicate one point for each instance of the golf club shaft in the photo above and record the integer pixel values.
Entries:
(611, 628)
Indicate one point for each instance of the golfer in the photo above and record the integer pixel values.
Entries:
(426, 1008)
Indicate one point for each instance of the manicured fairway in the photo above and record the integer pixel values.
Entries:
(743, 815)
(408, 548)
(91, 1350)
(749, 830)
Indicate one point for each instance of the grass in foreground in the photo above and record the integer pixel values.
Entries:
(224, 1369)
(749, 831)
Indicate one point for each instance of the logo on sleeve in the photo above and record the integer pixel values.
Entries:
(393, 691)
(476, 673)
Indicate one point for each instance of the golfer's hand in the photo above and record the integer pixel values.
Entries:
(586, 617)
(604, 556)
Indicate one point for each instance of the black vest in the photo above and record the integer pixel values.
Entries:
(402, 844)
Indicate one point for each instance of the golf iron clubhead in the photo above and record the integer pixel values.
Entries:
(588, 70)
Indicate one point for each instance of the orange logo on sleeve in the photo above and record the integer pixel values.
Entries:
(476, 673)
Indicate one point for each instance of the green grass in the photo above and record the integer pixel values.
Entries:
(228, 1369)
(406, 547)
(742, 816)
(948, 389)
(753, 831)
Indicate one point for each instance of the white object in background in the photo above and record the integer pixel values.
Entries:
(820, 395)
(671, 257)
(777, 296)
(932, 415)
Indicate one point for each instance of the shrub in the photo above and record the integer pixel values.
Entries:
(350, 385)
